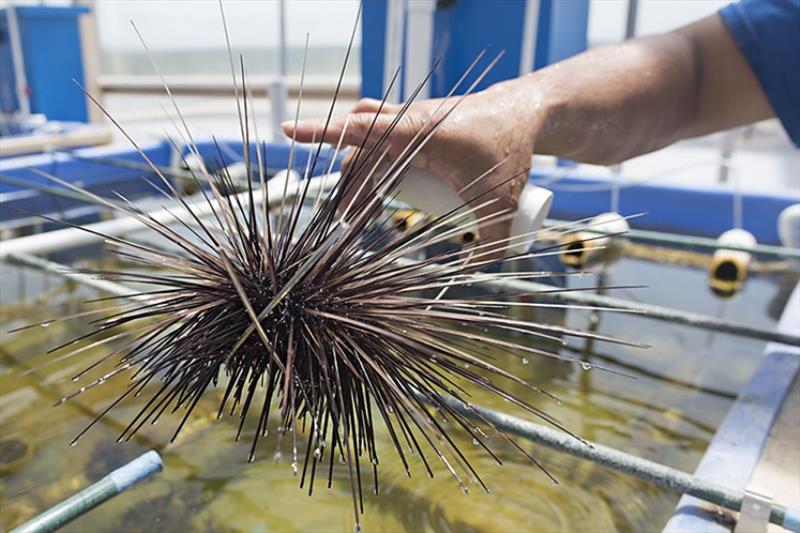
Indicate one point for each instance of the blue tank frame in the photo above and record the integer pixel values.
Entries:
(701, 211)
(51, 46)
(463, 28)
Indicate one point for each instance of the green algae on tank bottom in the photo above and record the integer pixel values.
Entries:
(209, 486)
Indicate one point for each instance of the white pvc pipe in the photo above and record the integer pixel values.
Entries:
(584, 248)
(53, 241)
(426, 192)
(789, 226)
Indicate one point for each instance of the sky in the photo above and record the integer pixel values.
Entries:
(187, 24)
(182, 24)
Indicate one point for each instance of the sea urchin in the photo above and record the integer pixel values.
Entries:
(320, 315)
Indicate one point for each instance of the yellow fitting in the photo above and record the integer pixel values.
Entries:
(405, 219)
(726, 274)
(728, 268)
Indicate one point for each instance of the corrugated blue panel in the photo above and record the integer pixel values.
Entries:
(52, 53)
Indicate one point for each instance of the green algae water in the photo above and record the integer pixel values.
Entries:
(667, 411)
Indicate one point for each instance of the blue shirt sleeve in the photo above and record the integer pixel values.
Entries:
(768, 34)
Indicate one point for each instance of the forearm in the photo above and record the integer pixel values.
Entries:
(616, 102)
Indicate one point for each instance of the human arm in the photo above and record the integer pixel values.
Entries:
(616, 102)
(603, 106)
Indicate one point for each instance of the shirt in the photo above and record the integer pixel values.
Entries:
(768, 34)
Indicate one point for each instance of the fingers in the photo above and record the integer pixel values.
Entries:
(495, 233)
(365, 126)
(360, 127)
(371, 105)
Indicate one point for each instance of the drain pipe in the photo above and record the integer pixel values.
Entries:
(84, 501)
(656, 473)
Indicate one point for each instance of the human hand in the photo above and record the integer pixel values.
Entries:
(484, 130)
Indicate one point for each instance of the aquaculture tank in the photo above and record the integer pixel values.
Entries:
(662, 403)
(220, 333)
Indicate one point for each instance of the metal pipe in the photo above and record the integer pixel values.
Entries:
(282, 53)
(88, 135)
(59, 192)
(661, 475)
(656, 473)
(277, 91)
(32, 261)
(84, 501)
(655, 312)
(631, 18)
(318, 87)
(689, 240)
(18, 61)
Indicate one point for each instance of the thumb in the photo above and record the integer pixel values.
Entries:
(494, 235)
